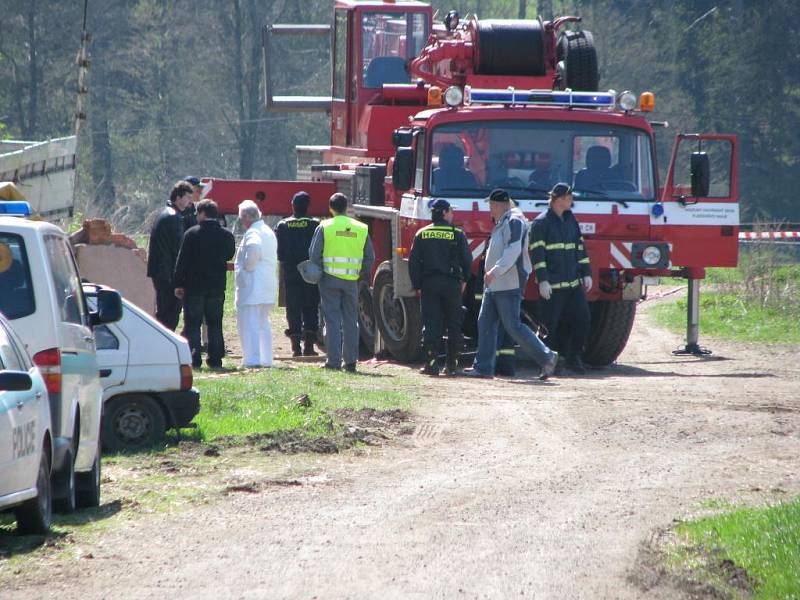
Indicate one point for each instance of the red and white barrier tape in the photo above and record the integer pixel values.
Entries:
(769, 235)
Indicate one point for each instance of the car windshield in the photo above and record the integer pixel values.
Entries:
(528, 157)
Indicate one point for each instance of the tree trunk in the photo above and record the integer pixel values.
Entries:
(29, 128)
(102, 161)
(523, 8)
(545, 9)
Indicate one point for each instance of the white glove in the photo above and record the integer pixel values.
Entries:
(545, 289)
(587, 283)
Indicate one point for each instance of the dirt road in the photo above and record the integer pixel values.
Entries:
(505, 489)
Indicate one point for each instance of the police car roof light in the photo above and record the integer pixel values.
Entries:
(539, 97)
(15, 208)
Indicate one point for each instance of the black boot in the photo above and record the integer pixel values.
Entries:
(431, 364)
(451, 366)
(295, 339)
(310, 338)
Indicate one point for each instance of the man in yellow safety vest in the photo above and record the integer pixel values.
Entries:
(342, 249)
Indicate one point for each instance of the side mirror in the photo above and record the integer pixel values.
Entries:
(15, 381)
(701, 174)
(403, 169)
(402, 136)
(109, 307)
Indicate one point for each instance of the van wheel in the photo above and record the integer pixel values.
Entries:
(132, 422)
(64, 500)
(35, 515)
(88, 485)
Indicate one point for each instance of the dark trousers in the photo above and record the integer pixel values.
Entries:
(441, 310)
(196, 307)
(567, 318)
(302, 306)
(168, 306)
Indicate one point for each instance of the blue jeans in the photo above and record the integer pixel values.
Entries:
(504, 307)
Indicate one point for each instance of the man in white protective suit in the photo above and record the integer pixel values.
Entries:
(256, 279)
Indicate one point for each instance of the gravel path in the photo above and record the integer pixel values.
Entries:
(505, 489)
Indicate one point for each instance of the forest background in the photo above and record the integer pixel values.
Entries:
(176, 86)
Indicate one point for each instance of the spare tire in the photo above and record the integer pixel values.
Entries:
(577, 62)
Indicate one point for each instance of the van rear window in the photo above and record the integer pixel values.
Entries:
(16, 287)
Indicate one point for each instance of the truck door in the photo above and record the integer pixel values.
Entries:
(699, 209)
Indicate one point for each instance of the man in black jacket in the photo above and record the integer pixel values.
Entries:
(302, 299)
(564, 274)
(439, 266)
(165, 240)
(200, 278)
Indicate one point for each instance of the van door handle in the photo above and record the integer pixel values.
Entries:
(38, 395)
(88, 338)
(105, 372)
(20, 404)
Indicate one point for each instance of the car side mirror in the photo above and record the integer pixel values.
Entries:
(403, 169)
(15, 381)
(109, 307)
(701, 174)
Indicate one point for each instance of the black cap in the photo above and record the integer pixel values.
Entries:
(560, 189)
(499, 195)
(195, 181)
(439, 204)
(301, 198)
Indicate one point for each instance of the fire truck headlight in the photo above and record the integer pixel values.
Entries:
(628, 101)
(651, 255)
(453, 96)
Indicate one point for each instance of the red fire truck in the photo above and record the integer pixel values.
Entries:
(422, 109)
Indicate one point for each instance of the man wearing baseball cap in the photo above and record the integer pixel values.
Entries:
(507, 268)
(564, 275)
(439, 266)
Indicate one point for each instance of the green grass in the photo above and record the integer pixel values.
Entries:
(263, 401)
(730, 316)
(765, 542)
(759, 301)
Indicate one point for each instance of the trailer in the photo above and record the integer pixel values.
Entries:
(422, 109)
(43, 172)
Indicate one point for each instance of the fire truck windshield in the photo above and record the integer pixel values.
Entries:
(468, 159)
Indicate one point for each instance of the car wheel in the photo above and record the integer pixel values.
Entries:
(132, 423)
(88, 485)
(35, 515)
(64, 500)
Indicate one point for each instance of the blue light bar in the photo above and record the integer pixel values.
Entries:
(15, 208)
(539, 97)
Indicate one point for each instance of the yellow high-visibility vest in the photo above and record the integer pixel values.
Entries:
(343, 247)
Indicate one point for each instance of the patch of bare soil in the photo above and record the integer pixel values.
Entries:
(720, 576)
(498, 489)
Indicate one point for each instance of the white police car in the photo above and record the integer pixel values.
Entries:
(146, 374)
(41, 295)
(26, 441)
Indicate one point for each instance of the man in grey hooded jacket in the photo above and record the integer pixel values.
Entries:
(507, 269)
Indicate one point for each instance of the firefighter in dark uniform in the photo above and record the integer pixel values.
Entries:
(562, 268)
(302, 299)
(439, 265)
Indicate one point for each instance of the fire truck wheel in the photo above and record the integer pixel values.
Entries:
(577, 62)
(366, 318)
(611, 325)
(398, 319)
